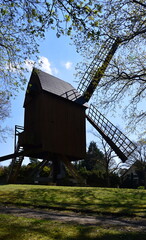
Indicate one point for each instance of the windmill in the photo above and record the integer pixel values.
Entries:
(55, 114)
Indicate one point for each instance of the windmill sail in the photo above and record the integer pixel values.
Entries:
(122, 146)
(96, 70)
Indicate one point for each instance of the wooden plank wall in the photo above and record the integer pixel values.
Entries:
(57, 124)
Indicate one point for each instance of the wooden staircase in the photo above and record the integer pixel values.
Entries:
(18, 158)
(15, 167)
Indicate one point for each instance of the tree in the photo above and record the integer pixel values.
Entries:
(3, 174)
(90, 168)
(23, 24)
(139, 157)
(99, 166)
(136, 161)
(4, 113)
(123, 84)
(93, 157)
(110, 165)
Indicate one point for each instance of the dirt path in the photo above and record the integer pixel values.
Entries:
(107, 221)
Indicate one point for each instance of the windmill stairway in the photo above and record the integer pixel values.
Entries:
(15, 166)
(122, 146)
(17, 158)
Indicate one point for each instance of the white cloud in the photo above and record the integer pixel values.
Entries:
(55, 71)
(68, 65)
(43, 64)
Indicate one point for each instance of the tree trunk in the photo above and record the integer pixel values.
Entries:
(107, 177)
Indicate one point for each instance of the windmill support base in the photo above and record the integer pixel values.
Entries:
(59, 172)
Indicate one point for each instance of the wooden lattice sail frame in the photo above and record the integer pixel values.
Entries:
(118, 141)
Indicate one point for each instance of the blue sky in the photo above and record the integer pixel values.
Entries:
(59, 58)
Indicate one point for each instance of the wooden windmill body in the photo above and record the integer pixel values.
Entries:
(55, 118)
(53, 122)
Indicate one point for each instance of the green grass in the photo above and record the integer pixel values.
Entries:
(123, 202)
(16, 228)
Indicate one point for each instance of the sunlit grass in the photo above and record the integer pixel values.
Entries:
(126, 202)
(16, 228)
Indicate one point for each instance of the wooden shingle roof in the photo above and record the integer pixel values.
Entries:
(42, 81)
(56, 86)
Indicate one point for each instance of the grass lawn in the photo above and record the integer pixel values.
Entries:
(16, 228)
(123, 202)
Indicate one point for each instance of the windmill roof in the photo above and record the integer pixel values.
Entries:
(57, 86)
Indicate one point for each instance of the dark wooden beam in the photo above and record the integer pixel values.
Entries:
(10, 156)
(37, 152)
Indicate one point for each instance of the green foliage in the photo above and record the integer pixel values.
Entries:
(95, 168)
(94, 157)
(94, 178)
(23, 23)
(141, 187)
(4, 113)
(25, 174)
(123, 84)
(45, 171)
(97, 178)
(3, 171)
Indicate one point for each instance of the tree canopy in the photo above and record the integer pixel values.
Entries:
(139, 154)
(123, 85)
(94, 157)
(4, 113)
(23, 24)
(98, 166)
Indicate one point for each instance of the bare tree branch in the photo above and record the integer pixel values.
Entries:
(140, 3)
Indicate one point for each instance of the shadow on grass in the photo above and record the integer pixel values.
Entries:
(118, 202)
(106, 201)
(29, 229)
